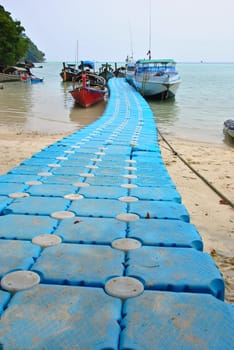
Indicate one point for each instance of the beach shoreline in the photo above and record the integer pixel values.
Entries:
(213, 218)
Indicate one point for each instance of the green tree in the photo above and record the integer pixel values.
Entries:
(13, 44)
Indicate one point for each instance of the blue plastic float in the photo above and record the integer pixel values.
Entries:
(106, 192)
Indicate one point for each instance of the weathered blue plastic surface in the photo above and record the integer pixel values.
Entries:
(74, 264)
(4, 201)
(61, 179)
(165, 233)
(108, 192)
(25, 226)
(37, 205)
(61, 317)
(172, 321)
(153, 181)
(107, 208)
(91, 230)
(159, 210)
(66, 170)
(27, 170)
(38, 161)
(6, 188)
(156, 194)
(195, 271)
(18, 178)
(56, 315)
(17, 255)
(106, 180)
(51, 190)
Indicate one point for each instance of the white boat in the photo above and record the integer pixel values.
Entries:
(228, 127)
(156, 78)
(130, 71)
(13, 73)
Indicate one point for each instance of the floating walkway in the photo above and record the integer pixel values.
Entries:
(97, 251)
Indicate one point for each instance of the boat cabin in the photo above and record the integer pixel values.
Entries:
(156, 66)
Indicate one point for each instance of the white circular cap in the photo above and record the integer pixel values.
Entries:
(81, 184)
(124, 287)
(130, 168)
(46, 240)
(86, 175)
(19, 280)
(91, 166)
(61, 158)
(130, 161)
(44, 174)
(126, 244)
(129, 176)
(18, 195)
(33, 183)
(128, 199)
(73, 196)
(96, 160)
(54, 165)
(60, 215)
(129, 185)
(127, 217)
(99, 153)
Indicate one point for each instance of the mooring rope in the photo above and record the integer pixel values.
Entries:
(221, 195)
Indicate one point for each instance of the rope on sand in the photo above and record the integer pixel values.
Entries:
(221, 195)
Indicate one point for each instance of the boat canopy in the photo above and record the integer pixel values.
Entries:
(157, 61)
(14, 69)
(89, 64)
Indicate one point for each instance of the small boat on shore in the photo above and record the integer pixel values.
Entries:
(228, 127)
(106, 71)
(155, 78)
(89, 87)
(69, 72)
(31, 78)
(13, 73)
(89, 90)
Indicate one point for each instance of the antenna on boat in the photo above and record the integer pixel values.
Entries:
(76, 57)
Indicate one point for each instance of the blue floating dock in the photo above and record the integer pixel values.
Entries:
(119, 216)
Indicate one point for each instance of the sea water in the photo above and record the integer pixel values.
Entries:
(204, 100)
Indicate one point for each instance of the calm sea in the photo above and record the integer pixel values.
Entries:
(204, 100)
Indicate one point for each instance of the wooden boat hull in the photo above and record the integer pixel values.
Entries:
(68, 76)
(87, 97)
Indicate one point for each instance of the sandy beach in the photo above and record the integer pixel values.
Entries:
(208, 212)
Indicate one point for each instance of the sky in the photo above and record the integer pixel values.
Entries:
(108, 30)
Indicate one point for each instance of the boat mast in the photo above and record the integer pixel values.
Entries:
(76, 57)
(131, 44)
(149, 52)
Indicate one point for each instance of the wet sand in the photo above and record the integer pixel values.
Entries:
(213, 219)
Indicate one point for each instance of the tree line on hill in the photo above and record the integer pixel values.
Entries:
(15, 46)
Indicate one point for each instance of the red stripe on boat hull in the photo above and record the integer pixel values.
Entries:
(87, 97)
